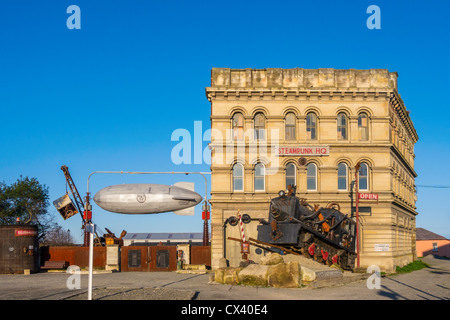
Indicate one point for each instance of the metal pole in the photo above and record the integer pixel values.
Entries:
(91, 259)
(358, 165)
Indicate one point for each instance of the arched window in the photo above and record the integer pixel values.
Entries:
(290, 174)
(238, 177)
(260, 126)
(311, 126)
(363, 127)
(342, 126)
(238, 126)
(363, 181)
(290, 126)
(311, 177)
(259, 177)
(342, 176)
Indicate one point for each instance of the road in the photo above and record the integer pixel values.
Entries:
(431, 283)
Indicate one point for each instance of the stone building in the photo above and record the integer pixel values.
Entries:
(264, 121)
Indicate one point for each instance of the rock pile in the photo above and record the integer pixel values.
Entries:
(274, 270)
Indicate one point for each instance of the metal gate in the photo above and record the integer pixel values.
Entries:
(148, 258)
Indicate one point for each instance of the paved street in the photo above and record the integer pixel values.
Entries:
(427, 284)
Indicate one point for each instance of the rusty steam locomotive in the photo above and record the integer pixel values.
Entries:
(324, 234)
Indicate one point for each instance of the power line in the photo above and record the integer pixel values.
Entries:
(440, 187)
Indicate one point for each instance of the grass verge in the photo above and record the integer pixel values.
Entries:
(413, 266)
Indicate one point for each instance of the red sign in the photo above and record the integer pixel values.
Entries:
(368, 196)
(25, 233)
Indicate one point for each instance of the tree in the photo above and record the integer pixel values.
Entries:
(57, 236)
(27, 200)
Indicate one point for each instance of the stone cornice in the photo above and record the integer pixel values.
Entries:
(399, 107)
(316, 94)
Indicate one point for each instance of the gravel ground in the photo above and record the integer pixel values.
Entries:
(136, 294)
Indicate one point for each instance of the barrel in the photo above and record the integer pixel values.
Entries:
(19, 248)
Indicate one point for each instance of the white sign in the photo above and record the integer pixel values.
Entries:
(381, 247)
(302, 150)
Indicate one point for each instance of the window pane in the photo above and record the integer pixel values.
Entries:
(259, 177)
(363, 127)
(290, 133)
(238, 185)
(311, 183)
(290, 126)
(342, 176)
(290, 174)
(311, 125)
(259, 184)
(259, 134)
(238, 126)
(363, 177)
(238, 181)
(311, 177)
(290, 181)
(290, 119)
(259, 126)
(342, 126)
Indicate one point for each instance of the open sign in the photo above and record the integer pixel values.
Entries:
(368, 196)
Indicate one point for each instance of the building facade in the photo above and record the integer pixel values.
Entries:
(309, 128)
(428, 242)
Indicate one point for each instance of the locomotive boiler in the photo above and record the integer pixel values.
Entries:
(324, 234)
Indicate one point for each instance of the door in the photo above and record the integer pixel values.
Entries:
(148, 258)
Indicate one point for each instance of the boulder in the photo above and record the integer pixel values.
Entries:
(254, 275)
(227, 275)
(284, 275)
(271, 259)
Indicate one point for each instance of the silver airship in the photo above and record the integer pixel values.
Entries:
(143, 198)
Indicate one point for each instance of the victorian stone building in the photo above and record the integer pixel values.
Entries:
(310, 127)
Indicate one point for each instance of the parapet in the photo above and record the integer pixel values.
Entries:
(304, 79)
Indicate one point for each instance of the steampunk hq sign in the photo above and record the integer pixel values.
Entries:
(302, 150)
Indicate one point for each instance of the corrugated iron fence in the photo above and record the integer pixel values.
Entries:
(132, 258)
(78, 256)
(201, 255)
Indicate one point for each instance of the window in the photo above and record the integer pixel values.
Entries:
(238, 126)
(290, 174)
(259, 124)
(238, 177)
(342, 176)
(311, 177)
(342, 126)
(363, 127)
(435, 246)
(311, 126)
(363, 181)
(290, 126)
(259, 177)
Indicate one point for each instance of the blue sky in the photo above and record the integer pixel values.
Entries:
(109, 96)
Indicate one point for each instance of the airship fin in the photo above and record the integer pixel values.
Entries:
(185, 212)
(185, 185)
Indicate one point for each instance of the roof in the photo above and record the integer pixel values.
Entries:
(164, 236)
(424, 234)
